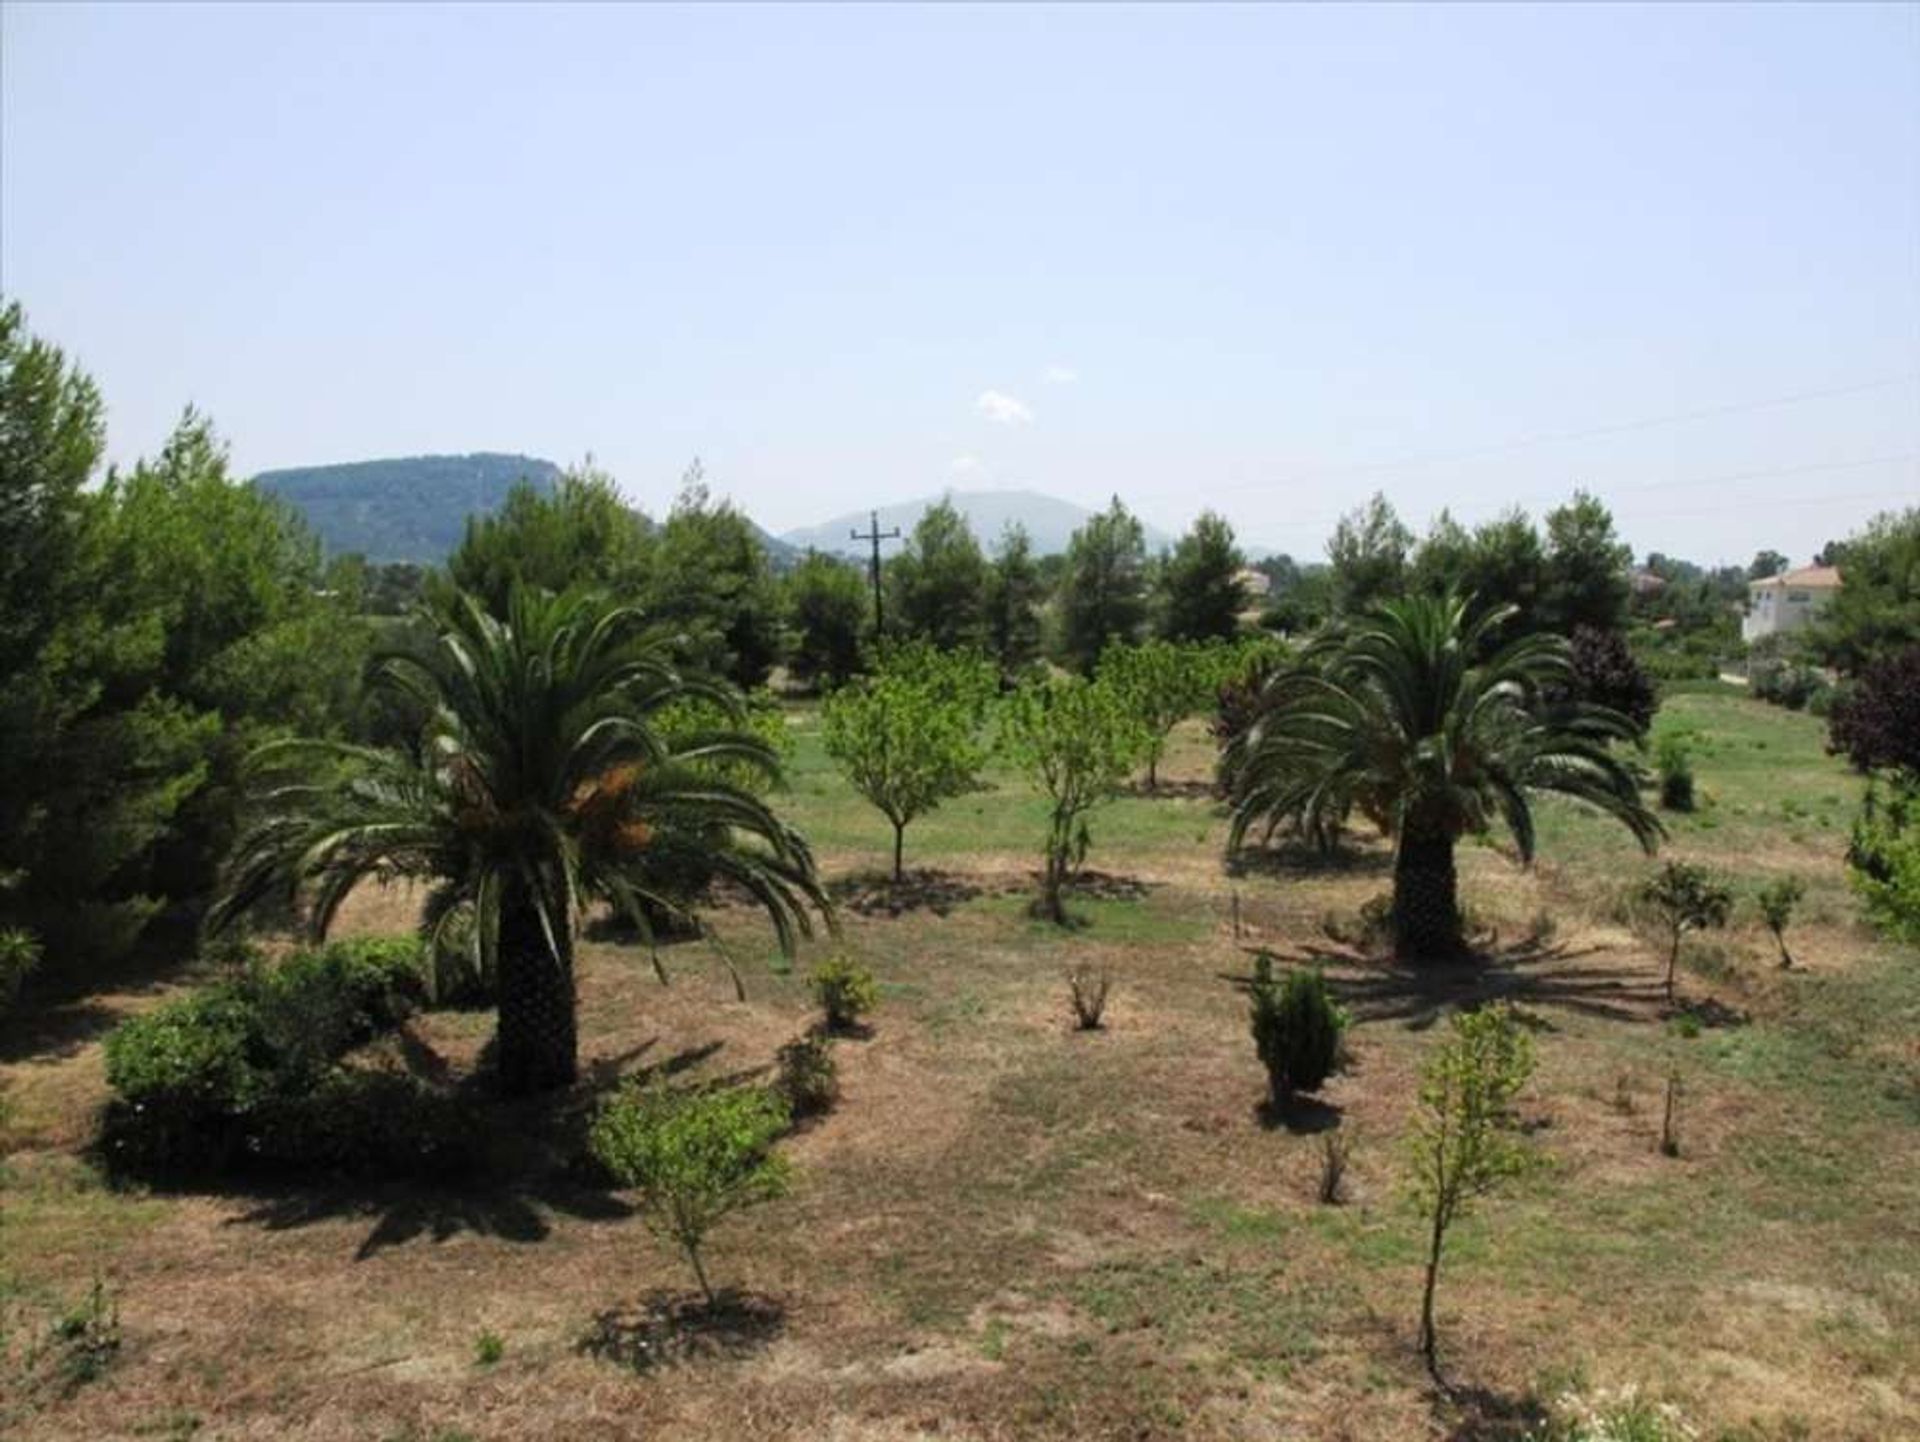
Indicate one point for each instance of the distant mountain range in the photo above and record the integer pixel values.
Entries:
(415, 508)
(1050, 522)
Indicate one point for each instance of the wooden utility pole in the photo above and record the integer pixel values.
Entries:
(874, 534)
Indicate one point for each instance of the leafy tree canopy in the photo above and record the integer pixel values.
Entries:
(1876, 612)
(581, 532)
(1368, 556)
(827, 615)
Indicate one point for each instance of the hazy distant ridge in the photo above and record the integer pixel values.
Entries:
(415, 508)
(1049, 520)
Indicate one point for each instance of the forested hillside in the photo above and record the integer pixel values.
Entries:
(410, 508)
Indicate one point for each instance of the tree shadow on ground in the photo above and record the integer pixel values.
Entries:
(533, 1165)
(1467, 1413)
(1712, 1014)
(1172, 791)
(667, 1328)
(1294, 858)
(58, 1031)
(876, 893)
(1527, 973)
(514, 1210)
(1303, 1117)
(1089, 885)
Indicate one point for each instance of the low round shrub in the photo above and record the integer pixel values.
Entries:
(807, 1077)
(1297, 1027)
(1675, 761)
(249, 1069)
(364, 1123)
(845, 990)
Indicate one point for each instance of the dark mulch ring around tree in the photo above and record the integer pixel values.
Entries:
(667, 1329)
(876, 893)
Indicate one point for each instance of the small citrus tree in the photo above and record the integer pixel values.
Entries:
(1464, 1143)
(910, 737)
(1078, 740)
(694, 1158)
(1166, 683)
(1777, 901)
(1683, 897)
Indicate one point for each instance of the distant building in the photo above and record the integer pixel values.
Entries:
(1788, 601)
(1647, 583)
(1256, 584)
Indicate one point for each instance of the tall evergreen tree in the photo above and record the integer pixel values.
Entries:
(582, 533)
(1015, 592)
(1585, 581)
(711, 584)
(939, 582)
(1202, 596)
(1103, 595)
(1368, 556)
(827, 615)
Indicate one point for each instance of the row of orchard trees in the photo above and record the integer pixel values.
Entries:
(921, 729)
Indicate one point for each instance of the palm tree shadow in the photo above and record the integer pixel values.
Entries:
(534, 1166)
(1292, 858)
(1527, 973)
(514, 1210)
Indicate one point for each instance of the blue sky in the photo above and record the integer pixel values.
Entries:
(1263, 259)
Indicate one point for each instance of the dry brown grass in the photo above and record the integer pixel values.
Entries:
(1007, 1229)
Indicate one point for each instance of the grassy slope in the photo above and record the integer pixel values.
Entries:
(1010, 1230)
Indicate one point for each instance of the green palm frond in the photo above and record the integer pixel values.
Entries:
(1392, 716)
(539, 767)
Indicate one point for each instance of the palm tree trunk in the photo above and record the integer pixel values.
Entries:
(537, 1045)
(1426, 899)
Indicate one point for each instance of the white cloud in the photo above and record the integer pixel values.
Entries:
(1003, 409)
(964, 465)
(1059, 375)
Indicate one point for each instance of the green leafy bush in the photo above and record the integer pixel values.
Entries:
(1883, 858)
(247, 1069)
(693, 1157)
(317, 1005)
(1622, 1416)
(1782, 676)
(845, 990)
(1674, 757)
(806, 1076)
(19, 955)
(1297, 1028)
(363, 1123)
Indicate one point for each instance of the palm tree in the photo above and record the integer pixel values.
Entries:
(540, 782)
(1393, 716)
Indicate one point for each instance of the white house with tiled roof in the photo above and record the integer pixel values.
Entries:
(1788, 601)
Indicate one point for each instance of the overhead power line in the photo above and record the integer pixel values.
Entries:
(1546, 438)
